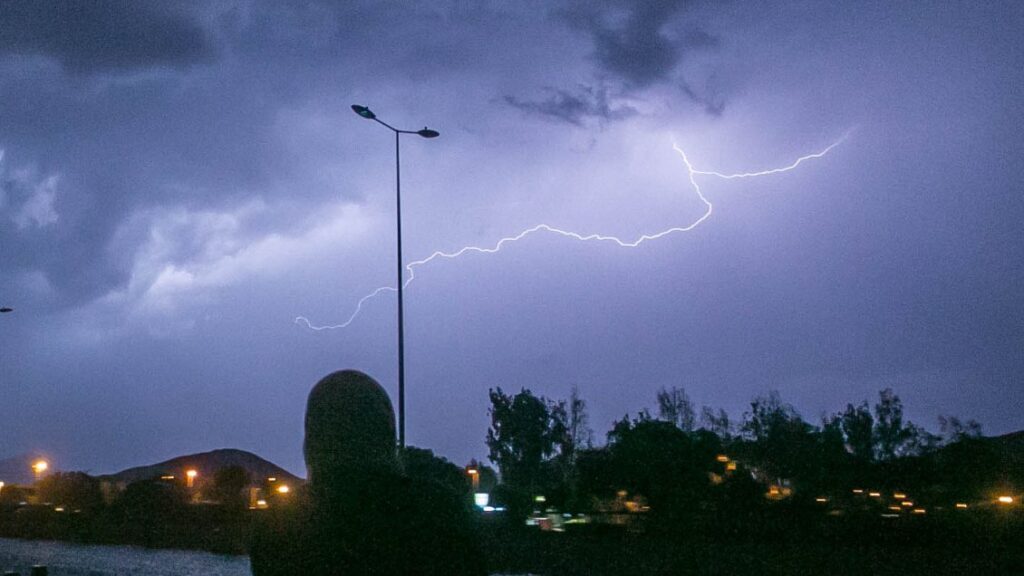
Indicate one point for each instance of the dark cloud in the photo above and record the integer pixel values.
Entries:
(631, 40)
(709, 99)
(102, 35)
(574, 108)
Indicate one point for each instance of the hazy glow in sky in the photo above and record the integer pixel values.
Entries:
(178, 183)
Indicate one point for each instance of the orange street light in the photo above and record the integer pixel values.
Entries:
(190, 476)
(283, 489)
(475, 475)
(39, 467)
(1006, 499)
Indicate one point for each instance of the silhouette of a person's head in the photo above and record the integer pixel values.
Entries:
(350, 431)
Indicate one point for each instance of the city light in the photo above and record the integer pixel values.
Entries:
(722, 458)
(919, 511)
(906, 503)
(821, 499)
(875, 494)
(190, 475)
(858, 491)
(283, 489)
(961, 505)
(1006, 499)
(899, 496)
(481, 499)
(39, 467)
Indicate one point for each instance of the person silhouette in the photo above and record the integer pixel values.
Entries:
(358, 513)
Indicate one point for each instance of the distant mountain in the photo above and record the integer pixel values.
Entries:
(18, 469)
(207, 464)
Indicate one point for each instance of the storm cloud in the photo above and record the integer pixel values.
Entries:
(103, 35)
(180, 181)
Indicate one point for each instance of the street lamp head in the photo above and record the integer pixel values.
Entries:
(364, 112)
(428, 133)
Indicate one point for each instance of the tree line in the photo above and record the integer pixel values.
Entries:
(682, 460)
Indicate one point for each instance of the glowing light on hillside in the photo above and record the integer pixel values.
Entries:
(1006, 499)
(283, 489)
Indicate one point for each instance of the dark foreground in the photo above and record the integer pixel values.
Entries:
(785, 543)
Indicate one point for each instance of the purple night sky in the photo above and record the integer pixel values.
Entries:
(179, 182)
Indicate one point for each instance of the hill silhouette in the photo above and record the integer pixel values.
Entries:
(207, 464)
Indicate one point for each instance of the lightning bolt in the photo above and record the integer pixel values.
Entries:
(691, 173)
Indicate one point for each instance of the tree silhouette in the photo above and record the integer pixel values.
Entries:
(674, 406)
(228, 484)
(521, 437)
(858, 426)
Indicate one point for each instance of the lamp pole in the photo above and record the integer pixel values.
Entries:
(366, 113)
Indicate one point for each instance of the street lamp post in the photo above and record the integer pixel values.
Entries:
(366, 113)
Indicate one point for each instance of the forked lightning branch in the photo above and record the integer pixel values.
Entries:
(691, 174)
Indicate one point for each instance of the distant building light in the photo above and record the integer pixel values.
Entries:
(489, 508)
(961, 505)
(167, 477)
(821, 499)
(899, 496)
(482, 499)
(261, 503)
(283, 489)
(919, 511)
(896, 508)
(722, 458)
(1006, 499)
(875, 494)
(858, 491)
(539, 498)
(906, 503)
(58, 509)
(191, 473)
(731, 466)
(472, 471)
(272, 479)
